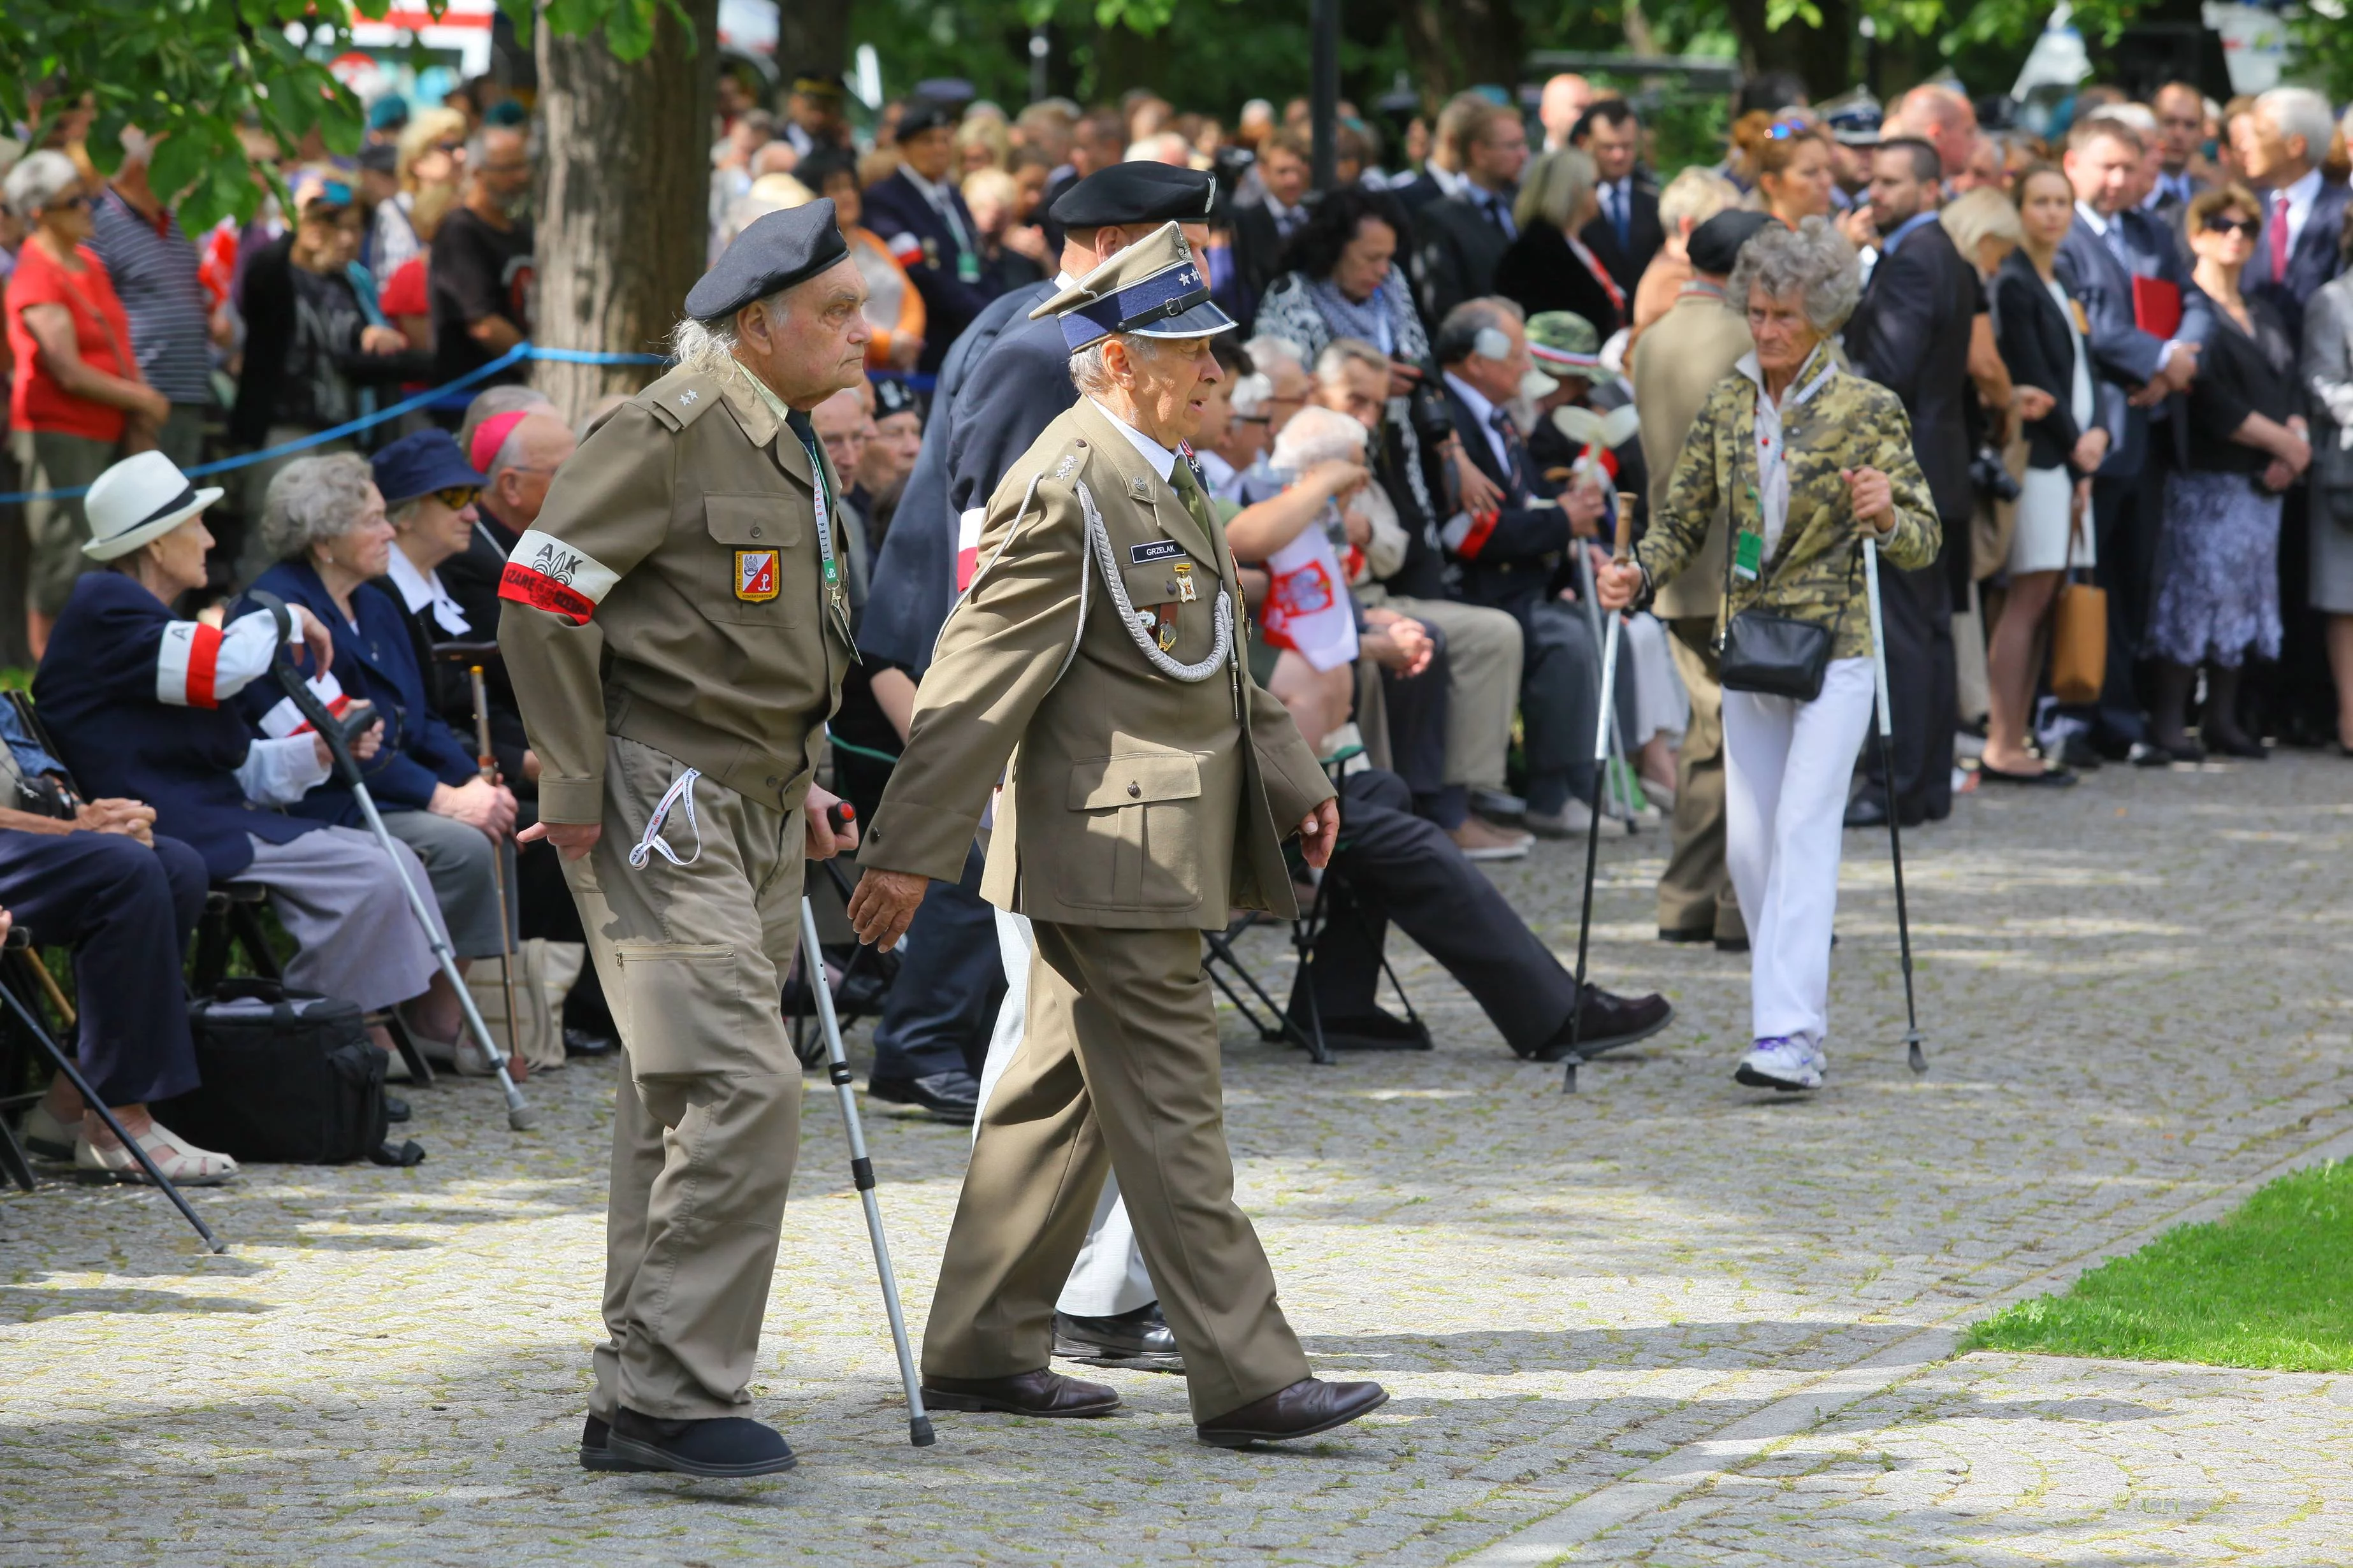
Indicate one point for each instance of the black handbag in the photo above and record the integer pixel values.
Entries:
(287, 1076)
(1773, 655)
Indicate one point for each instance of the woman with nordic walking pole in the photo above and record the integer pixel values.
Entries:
(1811, 463)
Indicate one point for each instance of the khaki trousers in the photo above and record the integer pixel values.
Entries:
(1695, 890)
(707, 1122)
(1484, 656)
(1119, 1070)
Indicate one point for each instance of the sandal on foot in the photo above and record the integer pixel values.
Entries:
(182, 1162)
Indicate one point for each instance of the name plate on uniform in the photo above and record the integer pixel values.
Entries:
(1156, 549)
(756, 575)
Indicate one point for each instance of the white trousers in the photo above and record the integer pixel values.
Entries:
(1787, 767)
(1109, 1276)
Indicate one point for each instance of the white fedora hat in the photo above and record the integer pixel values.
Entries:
(142, 498)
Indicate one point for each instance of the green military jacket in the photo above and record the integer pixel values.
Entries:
(671, 593)
(1833, 419)
(1134, 799)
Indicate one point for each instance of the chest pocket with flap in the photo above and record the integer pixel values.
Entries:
(761, 574)
(1138, 848)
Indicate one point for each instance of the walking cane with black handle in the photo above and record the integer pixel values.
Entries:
(306, 702)
(861, 1168)
(1622, 550)
(1918, 1056)
(488, 766)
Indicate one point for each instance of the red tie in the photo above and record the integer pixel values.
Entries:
(2279, 238)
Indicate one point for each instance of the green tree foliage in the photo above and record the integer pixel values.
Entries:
(195, 73)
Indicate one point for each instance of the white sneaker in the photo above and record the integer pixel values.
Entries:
(1571, 821)
(1784, 1064)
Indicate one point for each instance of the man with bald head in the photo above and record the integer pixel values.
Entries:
(1942, 118)
(1565, 98)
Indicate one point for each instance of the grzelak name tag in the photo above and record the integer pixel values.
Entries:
(1157, 550)
(756, 575)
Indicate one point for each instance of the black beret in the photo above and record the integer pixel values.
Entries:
(1714, 246)
(922, 114)
(892, 395)
(1136, 192)
(776, 252)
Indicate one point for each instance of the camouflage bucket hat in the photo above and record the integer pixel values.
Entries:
(1563, 340)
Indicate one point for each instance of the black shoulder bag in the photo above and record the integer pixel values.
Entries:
(1773, 655)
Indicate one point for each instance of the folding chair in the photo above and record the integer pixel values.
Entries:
(1312, 922)
(231, 924)
(1278, 1026)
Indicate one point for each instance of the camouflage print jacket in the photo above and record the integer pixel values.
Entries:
(1834, 419)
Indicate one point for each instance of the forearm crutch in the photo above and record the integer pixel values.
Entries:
(1918, 1056)
(306, 702)
(488, 765)
(862, 1171)
(1624, 548)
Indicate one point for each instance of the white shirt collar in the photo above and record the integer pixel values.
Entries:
(1449, 184)
(1220, 472)
(418, 589)
(2302, 192)
(1484, 411)
(1063, 279)
(1163, 460)
(2090, 215)
(936, 194)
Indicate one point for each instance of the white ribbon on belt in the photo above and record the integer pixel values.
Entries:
(651, 840)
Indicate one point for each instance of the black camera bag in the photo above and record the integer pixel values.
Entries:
(297, 1080)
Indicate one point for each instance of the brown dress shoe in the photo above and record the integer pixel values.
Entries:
(1039, 1393)
(1306, 1408)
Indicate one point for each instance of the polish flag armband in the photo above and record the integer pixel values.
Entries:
(546, 574)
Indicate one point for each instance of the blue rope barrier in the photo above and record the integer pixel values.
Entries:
(423, 399)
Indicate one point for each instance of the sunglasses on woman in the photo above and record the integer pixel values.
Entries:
(2248, 226)
(458, 498)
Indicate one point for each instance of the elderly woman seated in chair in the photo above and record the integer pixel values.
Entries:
(328, 526)
(143, 705)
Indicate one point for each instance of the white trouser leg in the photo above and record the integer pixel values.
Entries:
(1109, 1276)
(1786, 765)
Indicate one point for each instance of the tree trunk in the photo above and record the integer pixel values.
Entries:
(1460, 44)
(812, 35)
(1823, 56)
(624, 196)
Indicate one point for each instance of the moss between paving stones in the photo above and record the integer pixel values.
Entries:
(2269, 1286)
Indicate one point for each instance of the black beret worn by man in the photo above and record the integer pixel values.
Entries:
(677, 629)
(1155, 786)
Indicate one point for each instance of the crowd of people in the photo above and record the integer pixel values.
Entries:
(2118, 352)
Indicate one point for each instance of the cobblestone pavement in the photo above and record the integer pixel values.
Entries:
(1638, 1324)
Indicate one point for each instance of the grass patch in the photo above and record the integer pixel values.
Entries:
(2270, 1286)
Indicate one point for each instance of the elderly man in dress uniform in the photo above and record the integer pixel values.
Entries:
(1099, 651)
(677, 629)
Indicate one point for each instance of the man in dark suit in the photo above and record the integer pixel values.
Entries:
(1458, 239)
(1266, 216)
(994, 395)
(1441, 172)
(1911, 334)
(921, 216)
(1508, 556)
(2109, 246)
(1627, 233)
(2280, 145)
(2180, 125)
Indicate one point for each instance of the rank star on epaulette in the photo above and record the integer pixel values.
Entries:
(687, 397)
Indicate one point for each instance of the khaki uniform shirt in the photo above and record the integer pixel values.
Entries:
(671, 593)
(1678, 360)
(1134, 799)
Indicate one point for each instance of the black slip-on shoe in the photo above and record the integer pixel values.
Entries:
(395, 1108)
(1606, 1022)
(596, 1450)
(1687, 933)
(1140, 1341)
(723, 1446)
(952, 1096)
(1307, 1407)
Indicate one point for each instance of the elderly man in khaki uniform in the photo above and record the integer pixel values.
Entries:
(1099, 651)
(677, 629)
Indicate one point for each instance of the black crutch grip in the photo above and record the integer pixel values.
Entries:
(306, 701)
